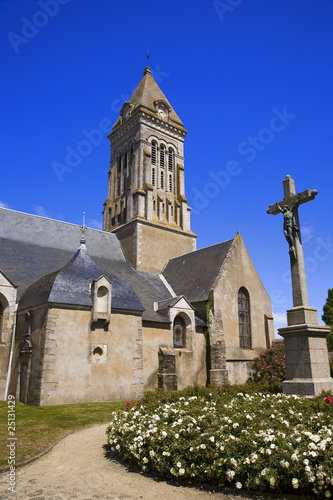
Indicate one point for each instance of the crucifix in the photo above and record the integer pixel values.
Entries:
(289, 208)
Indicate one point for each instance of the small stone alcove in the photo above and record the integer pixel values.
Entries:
(101, 295)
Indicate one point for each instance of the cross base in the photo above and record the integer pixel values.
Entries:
(301, 315)
(306, 387)
(308, 370)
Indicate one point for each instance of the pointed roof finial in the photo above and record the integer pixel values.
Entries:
(147, 68)
(83, 239)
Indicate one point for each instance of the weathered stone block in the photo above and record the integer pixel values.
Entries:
(302, 315)
(218, 377)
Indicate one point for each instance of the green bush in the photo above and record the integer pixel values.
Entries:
(254, 441)
(269, 369)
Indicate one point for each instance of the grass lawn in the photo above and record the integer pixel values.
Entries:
(38, 427)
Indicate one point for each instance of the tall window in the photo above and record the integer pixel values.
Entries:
(170, 183)
(153, 152)
(170, 159)
(179, 333)
(125, 170)
(244, 319)
(119, 174)
(162, 180)
(162, 155)
(153, 180)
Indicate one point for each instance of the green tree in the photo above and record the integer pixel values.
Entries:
(327, 317)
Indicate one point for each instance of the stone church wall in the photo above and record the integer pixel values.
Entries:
(7, 321)
(72, 363)
(190, 363)
(238, 271)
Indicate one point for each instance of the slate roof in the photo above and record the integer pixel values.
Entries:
(146, 93)
(32, 247)
(194, 274)
(72, 285)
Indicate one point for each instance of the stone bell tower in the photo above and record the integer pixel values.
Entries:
(146, 205)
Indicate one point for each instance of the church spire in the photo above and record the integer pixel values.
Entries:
(146, 194)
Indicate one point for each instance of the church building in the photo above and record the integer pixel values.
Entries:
(89, 315)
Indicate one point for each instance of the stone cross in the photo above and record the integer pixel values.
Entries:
(289, 207)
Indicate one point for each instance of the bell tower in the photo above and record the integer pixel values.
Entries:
(146, 205)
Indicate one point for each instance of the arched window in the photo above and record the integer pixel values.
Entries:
(170, 159)
(119, 174)
(102, 299)
(162, 155)
(153, 152)
(179, 333)
(244, 319)
(125, 170)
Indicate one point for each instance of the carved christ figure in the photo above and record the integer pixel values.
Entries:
(289, 227)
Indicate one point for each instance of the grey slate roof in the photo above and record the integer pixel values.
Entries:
(32, 247)
(193, 274)
(72, 285)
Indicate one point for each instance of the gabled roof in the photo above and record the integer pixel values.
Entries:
(194, 274)
(33, 247)
(169, 303)
(147, 93)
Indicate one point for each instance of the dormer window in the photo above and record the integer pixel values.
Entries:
(162, 109)
(101, 290)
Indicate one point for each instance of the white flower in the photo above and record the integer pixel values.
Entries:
(230, 474)
(294, 457)
(152, 453)
(295, 483)
(181, 472)
(179, 464)
(203, 446)
(272, 482)
(176, 436)
(306, 461)
(145, 460)
(307, 468)
(328, 494)
(239, 485)
(212, 439)
(164, 434)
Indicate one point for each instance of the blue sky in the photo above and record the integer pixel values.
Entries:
(251, 80)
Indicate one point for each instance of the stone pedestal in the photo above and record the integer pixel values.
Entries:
(166, 375)
(308, 371)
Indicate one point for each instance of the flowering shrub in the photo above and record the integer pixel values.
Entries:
(256, 441)
(269, 369)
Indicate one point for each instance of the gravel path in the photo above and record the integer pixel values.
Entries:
(77, 467)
